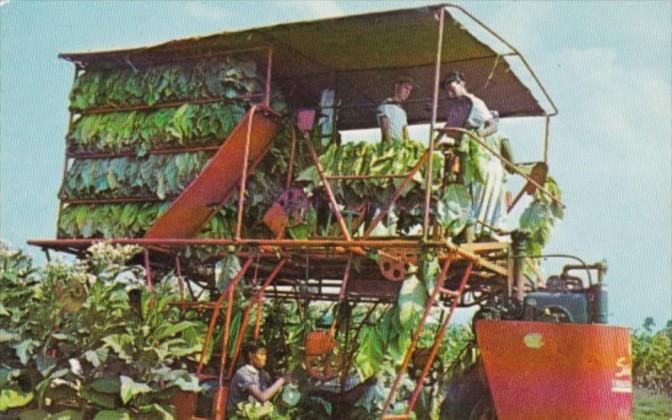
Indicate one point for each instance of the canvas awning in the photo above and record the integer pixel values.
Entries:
(358, 56)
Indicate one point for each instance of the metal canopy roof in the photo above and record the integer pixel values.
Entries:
(358, 56)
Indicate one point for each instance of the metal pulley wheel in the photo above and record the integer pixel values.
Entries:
(393, 264)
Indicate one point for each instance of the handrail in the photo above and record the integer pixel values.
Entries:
(512, 48)
(513, 166)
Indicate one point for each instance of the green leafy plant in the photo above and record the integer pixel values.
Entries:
(225, 77)
(79, 343)
(139, 131)
(652, 357)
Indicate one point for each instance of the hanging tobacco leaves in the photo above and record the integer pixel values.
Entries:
(538, 221)
(365, 158)
(155, 175)
(226, 77)
(188, 125)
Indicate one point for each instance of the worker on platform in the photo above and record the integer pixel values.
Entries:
(251, 382)
(391, 115)
(488, 196)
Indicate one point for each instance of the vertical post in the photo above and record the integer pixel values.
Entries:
(180, 282)
(65, 156)
(438, 339)
(215, 314)
(269, 69)
(438, 285)
(242, 329)
(243, 177)
(148, 270)
(344, 283)
(327, 189)
(546, 128)
(518, 250)
(292, 156)
(435, 104)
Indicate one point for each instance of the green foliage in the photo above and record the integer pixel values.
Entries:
(155, 175)
(365, 158)
(652, 357)
(539, 219)
(163, 176)
(105, 353)
(454, 209)
(139, 131)
(224, 77)
(650, 405)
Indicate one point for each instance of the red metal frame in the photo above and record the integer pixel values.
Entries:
(340, 249)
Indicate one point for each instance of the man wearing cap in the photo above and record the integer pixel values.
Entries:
(391, 116)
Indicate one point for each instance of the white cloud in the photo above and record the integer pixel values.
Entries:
(210, 11)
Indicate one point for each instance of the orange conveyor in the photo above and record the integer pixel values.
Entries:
(214, 186)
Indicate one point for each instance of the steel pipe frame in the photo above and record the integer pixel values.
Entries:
(327, 187)
(435, 105)
(246, 316)
(174, 104)
(243, 177)
(66, 157)
(133, 153)
(416, 336)
(517, 53)
(116, 200)
(286, 243)
(148, 270)
(397, 194)
(215, 314)
(439, 337)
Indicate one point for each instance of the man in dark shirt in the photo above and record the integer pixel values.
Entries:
(251, 382)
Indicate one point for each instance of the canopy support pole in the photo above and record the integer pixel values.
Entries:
(435, 105)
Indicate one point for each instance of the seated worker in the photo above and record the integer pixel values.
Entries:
(251, 382)
(488, 197)
(391, 116)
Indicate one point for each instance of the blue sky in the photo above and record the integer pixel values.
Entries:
(606, 64)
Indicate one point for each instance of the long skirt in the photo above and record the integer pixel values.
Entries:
(488, 201)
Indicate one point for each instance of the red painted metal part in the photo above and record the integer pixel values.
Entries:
(218, 180)
(174, 104)
(246, 315)
(344, 284)
(432, 123)
(396, 194)
(557, 371)
(180, 282)
(439, 337)
(164, 151)
(148, 270)
(215, 314)
(115, 200)
(243, 177)
(292, 153)
(330, 193)
(416, 336)
(269, 74)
